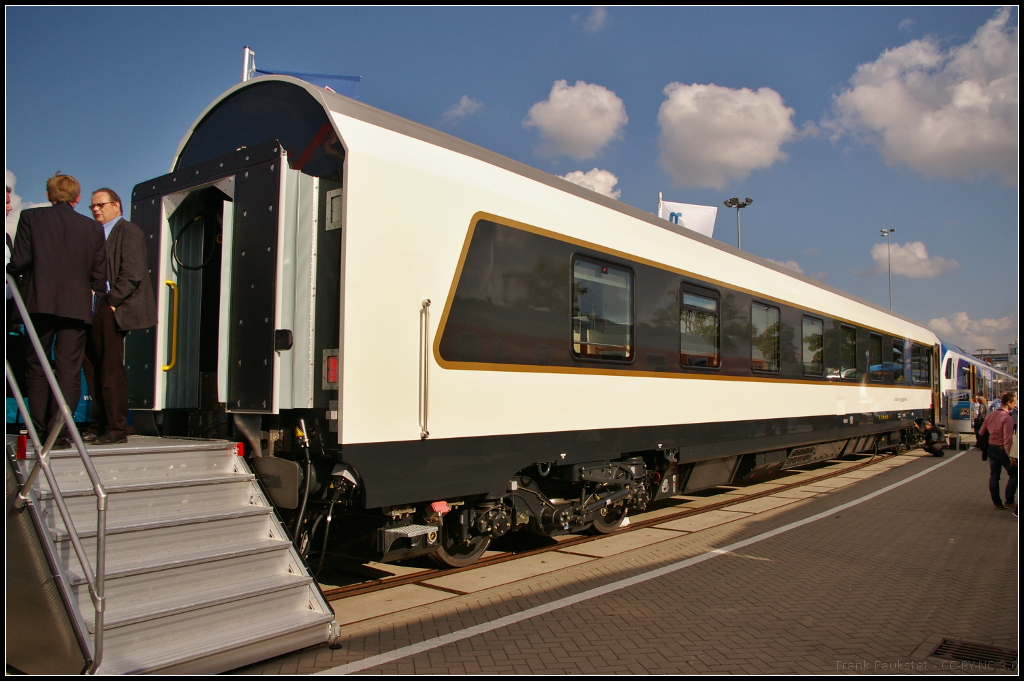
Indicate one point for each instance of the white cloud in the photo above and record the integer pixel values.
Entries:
(909, 260)
(600, 181)
(789, 265)
(711, 134)
(578, 120)
(466, 106)
(949, 113)
(972, 335)
(17, 205)
(906, 24)
(596, 20)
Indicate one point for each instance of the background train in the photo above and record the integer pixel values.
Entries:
(469, 346)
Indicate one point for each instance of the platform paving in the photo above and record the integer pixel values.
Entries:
(870, 588)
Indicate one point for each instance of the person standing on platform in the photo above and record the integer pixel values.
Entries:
(127, 304)
(60, 258)
(999, 427)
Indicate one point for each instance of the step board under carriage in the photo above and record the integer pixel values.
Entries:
(201, 575)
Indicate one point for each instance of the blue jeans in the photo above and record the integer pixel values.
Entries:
(998, 459)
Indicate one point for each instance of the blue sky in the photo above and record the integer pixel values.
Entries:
(837, 122)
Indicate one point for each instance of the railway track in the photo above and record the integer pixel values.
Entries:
(636, 523)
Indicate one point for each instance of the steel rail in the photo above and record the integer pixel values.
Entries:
(369, 586)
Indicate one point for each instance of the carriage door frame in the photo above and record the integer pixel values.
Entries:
(250, 298)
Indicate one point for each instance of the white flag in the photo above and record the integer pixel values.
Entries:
(700, 219)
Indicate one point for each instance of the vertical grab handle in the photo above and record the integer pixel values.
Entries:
(424, 361)
(174, 327)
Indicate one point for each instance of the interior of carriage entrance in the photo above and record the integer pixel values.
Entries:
(198, 223)
(218, 350)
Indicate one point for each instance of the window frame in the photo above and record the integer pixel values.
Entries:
(778, 339)
(872, 337)
(803, 364)
(632, 310)
(903, 361)
(917, 350)
(687, 287)
(842, 369)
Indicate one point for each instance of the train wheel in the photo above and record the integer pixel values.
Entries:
(609, 520)
(455, 554)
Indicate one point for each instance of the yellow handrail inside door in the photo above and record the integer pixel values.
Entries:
(174, 327)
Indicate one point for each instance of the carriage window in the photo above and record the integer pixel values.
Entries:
(698, 328)
(813, 342)
(764, 341)
(949, 368)
(602, 311)
(921, 364)
(848, 352)
(876, 371)
(897, 361)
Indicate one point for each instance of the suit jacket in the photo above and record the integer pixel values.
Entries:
(131, 292)
(61, 258)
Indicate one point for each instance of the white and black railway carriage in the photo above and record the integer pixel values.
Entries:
(575, 359)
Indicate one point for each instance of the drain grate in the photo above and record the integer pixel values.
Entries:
(965, 651)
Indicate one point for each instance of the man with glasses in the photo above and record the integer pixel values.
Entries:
(59, 256)
(127, 304)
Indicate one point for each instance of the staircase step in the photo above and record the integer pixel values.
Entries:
(197, 600)
(153, 504)
(168, 539)
(185, 638)
(139, 591)
(117, 467)
(170, 520)
(146, 445)
(248, 643)
(144, 485)
(117, 569)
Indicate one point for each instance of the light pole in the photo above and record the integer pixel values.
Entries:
(737, 204)
(888, 257)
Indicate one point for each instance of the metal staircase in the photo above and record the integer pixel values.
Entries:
(161, 555)
(200, 575)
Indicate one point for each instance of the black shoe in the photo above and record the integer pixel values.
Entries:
(89, 437)
(62, 443)
(111, 439)
(999, 507)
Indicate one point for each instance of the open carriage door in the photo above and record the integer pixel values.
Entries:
(213, 236)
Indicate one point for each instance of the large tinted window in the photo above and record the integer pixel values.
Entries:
(602, 311)
(698, 327)
(813, 346)
(847, 352)
(876, 372)
(764, 337)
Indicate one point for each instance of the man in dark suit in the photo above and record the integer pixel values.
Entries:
(60, 257)
(128, 304)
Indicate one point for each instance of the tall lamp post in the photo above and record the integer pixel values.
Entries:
(888, 254)
(737, 204)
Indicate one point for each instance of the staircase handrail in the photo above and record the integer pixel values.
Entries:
(96, 579)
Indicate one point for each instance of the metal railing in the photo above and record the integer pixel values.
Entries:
(424, 362)
(95, 578)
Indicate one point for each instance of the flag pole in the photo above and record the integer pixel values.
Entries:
(248, 63)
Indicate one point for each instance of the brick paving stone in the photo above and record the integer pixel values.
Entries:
(877, 582)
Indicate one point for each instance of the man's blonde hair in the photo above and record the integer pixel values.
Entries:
(62, 188)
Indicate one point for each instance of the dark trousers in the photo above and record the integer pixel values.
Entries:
(105, 374)
(66, 337)
(997, 460)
